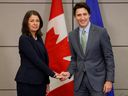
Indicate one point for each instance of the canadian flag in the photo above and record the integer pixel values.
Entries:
(57, 45)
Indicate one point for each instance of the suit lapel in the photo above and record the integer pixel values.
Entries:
(77, 38)
(90, 39)
(43, 50)
(33, 42)
(40, 52)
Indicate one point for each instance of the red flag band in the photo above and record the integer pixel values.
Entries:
(57, 45)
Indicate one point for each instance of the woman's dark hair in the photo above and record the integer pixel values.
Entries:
(25, 28)
(81, 5)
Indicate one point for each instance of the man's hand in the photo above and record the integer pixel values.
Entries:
(107, 87)
(65, 75)
(58, 76)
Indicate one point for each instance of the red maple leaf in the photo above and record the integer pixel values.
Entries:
(57, 52)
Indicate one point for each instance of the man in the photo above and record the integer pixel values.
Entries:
(92, 61)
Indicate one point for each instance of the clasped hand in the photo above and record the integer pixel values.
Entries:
(62, 76)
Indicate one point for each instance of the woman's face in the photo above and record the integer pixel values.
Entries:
(33, 23)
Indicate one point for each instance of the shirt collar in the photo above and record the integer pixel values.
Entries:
(86, 29)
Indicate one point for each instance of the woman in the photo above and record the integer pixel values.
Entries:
(33, 75)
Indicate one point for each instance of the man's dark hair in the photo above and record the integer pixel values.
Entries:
(81, 5)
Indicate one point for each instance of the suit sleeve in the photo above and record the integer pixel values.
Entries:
(72, 66)
(108, 55)
(26, 48)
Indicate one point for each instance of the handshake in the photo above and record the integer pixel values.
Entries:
(62, 76)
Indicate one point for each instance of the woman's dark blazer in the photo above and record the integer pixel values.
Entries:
(34, 62)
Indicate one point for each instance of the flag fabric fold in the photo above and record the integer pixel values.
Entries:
(57, 45)
(96, 19)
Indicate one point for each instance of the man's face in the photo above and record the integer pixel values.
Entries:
(82, 17)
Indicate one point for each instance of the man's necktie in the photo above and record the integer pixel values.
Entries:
(83, 40)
